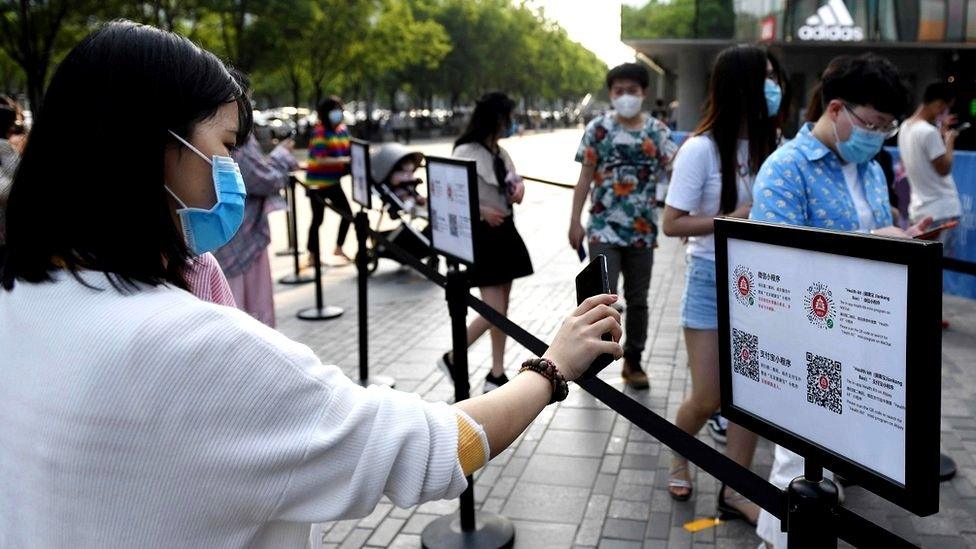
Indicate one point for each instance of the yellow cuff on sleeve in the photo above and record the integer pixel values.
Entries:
(472, 444)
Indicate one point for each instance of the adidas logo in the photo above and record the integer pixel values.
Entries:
(832, 22)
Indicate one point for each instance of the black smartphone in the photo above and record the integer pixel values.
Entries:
(581, 252)
(594, 280)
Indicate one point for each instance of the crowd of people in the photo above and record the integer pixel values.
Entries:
(124, 346)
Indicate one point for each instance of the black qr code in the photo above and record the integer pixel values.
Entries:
(745, 354)
(452, 222)
(824, 383)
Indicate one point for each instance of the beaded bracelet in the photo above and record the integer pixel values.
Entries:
(547, 369)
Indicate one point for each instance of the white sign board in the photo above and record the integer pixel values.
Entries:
(358, 160)
(818, 349)
(450, 202)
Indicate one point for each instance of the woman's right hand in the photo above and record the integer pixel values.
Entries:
(576, 234)
(492, 216)
(579, 340)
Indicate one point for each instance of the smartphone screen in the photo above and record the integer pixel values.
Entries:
(594, 280)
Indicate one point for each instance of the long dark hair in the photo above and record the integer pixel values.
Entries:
(95, 200)
(492, 112)
(736, 97)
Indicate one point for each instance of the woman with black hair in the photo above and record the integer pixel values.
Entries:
(328, 161)
(135, 414)
(712, 176)
(502, 256)
(12, 141)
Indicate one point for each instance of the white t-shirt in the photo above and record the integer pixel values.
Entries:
(865, 217)
(158, 420)
(919, 143)
(696, 185)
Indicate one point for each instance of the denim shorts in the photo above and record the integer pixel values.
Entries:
(698, 307)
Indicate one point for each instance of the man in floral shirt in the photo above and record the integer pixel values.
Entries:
(622, 154)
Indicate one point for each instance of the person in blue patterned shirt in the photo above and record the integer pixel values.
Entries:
(826, 177)
(622, 155)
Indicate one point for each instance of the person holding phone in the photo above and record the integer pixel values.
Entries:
(135, 414)
(328, 161)
(502, 255)
(826, 178)
(711, 176)
(926, 143)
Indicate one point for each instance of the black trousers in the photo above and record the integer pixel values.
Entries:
(317, 197)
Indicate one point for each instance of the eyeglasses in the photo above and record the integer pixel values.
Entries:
(889, 131)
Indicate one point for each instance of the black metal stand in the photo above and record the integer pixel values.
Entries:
(320, 311)
(465, 528)
(361, 224)
(292, 244)
(810, 510)
(947, 467)
(296, 276)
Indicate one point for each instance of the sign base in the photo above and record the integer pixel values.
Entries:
(383, 381)
(327, 312)
(947, 468)
(291, 279)
(491, 531)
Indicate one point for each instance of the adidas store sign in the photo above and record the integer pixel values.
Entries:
(832, 22)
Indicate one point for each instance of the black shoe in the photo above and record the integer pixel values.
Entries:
(492, 382)
(446, 365)
(727, 512)
(717, 428)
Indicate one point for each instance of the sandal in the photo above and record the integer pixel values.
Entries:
(674, 482)
(727, 509)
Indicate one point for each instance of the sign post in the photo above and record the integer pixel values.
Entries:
(830, 347)
(453, 205)
(361, 191)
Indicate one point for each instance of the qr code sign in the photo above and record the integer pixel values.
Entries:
(824, 383)
(745, 354)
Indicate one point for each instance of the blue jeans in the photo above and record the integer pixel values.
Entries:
(698, 302)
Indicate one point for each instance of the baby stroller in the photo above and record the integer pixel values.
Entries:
(395, 185)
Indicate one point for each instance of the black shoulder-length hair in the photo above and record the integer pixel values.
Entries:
(89, 193)
(492, 112)
(736, 99)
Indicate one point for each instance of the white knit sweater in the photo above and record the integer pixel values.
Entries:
(158, 420)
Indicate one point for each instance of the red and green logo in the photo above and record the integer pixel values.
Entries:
(742, 285)
(819, 306)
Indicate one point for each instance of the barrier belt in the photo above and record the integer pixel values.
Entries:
(851, 527)
(547, 182)
(958, 265)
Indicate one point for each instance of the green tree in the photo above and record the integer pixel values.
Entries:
(679, 19)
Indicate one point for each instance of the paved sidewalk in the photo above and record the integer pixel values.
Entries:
(581, 475)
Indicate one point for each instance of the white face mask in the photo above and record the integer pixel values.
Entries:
(627, 106)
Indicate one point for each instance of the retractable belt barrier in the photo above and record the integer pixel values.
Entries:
(851, 527)
(958, 265)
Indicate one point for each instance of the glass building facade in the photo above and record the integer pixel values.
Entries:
(879, 20)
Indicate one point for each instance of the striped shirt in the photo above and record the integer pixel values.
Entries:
(326, 143)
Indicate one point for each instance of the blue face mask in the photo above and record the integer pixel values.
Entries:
(207, 230)
(861, 146)
(774, 95)
(335, 117)
(511, 130)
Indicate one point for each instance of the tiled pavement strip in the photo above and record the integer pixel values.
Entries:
(581, 475)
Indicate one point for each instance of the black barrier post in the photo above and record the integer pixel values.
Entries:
(292, 244)
(296, 277)
(361, 223)
(810, 516)
(320, 311)
(466, 528)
